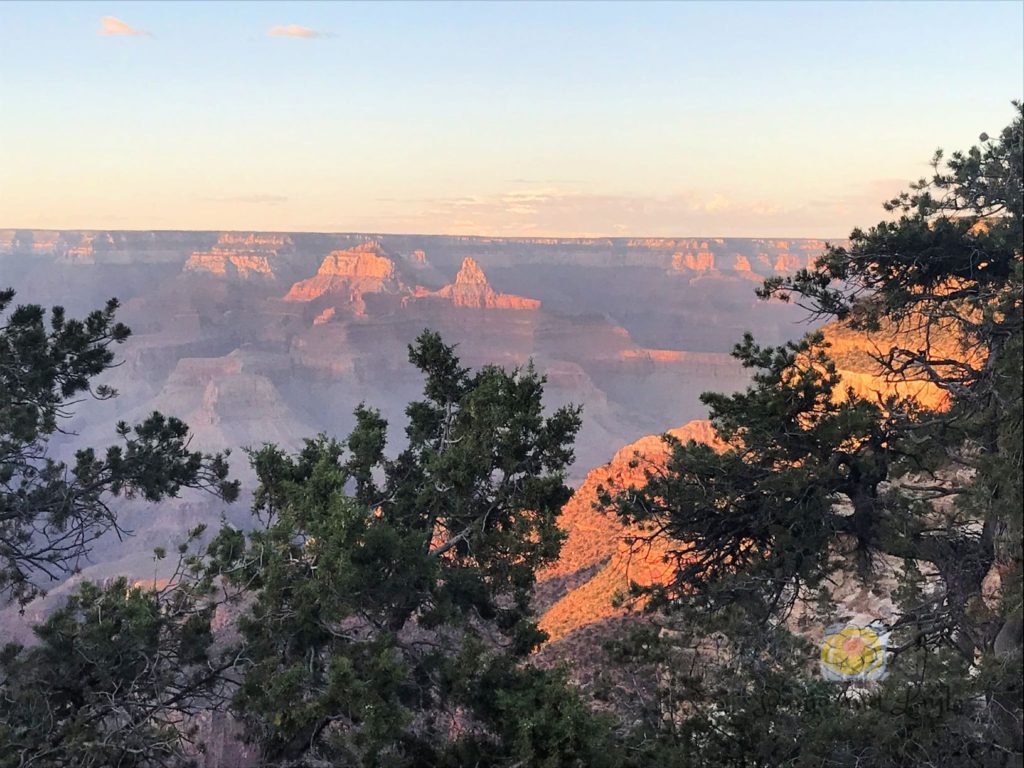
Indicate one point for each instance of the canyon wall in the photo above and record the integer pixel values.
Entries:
(271, 337)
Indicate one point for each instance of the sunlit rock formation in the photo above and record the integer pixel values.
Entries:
(741, 268)
(601, 556)
(788, 262)
(324, 317)
(243, 256)
(855, 354)
(347, 276)
(228, 263)
(471, 289)
(700, 261)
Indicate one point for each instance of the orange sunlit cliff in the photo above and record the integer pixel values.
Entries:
(855, 354)
(354, 272)
(600, 557)
(471, 289)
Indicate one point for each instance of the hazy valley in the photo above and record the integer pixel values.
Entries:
(271, 337)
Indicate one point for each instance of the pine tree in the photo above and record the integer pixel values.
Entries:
(116, 670)
(50, 513)
(387, 601)
(117, 675)
(818, 482)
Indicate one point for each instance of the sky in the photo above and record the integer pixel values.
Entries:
(516, 119)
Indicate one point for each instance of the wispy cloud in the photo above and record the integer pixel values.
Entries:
(110, 26)
(251, 199)
(535, 182)
(559, 211)
(294, 30)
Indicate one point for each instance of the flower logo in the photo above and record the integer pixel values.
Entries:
(853, 653)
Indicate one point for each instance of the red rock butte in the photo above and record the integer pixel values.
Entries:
(241, 255)
(225, 261)
(472, 290)
(349, 273)
(701, 261)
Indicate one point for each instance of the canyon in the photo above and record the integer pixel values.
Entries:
(273, 337)
(269, 337)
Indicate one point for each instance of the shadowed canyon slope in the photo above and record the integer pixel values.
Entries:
(254, 337)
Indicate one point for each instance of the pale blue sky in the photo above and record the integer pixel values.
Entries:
(775, 119)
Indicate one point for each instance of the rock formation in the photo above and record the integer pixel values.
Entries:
(242, 256)
(855, 352)
(788, 262)
(324, 317)
(701, 261)
(231, 401)
(741, 268)
(471, 289)
(259, 240)
(224, 262)
(601, 556)
(347, 276)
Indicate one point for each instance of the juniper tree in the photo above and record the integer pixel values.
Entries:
(817, 482)
(51, 513)
(117, 669)
(117, 675)
(387, 601)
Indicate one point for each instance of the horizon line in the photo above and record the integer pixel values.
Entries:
(367, 233)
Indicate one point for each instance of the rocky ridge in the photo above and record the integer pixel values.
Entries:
(241, 256)
(601, 557)
(472, 290)
(348, 275)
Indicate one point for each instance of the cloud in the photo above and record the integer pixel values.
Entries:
(294, 30)
(109, 26)
(553, 211)
(529, 202)
(251, 199)
(717, 202)
(535, 182)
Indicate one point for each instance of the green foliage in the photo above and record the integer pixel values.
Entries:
(51, 513)
(387, 600)
(528, 716)
(114, 676)
(765, 506)
(816, 484)
(382, 606)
